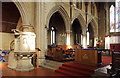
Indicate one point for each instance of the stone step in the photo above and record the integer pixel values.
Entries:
(54, 62)
(51, 65)
(48, 67)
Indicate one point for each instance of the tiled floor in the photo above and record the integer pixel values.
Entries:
(37, 72)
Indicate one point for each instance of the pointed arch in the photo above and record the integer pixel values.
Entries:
(94, 26)
(81, 21)
(62, 12)
(23, 12)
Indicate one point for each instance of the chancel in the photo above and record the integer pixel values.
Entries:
(60, 38)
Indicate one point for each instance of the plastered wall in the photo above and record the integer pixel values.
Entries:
(5, 40)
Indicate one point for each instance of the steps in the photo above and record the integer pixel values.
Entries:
(75, 69)
(67, 73)
(51, 65)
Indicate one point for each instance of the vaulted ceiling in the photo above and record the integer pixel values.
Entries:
(10, 16)
(101, 4)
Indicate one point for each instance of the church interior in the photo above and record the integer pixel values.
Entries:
(74, 38)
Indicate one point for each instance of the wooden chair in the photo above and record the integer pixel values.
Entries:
(115, 70)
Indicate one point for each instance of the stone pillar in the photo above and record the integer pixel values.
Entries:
(68, 37)
(46, 41)
(40, 31)
(84, 37)
(107, 20)
(95, 40)
(84, 40)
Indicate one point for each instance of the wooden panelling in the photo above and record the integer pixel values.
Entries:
(115, 47)
(86, 56)
(61, 52)
(116, 60)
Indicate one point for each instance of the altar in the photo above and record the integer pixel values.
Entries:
(88, 56)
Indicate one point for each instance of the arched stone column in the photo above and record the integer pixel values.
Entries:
(95, 40)
(95, 30)
(41, 31)
(107, 19)
(83, 26)
(68, 37)
(81, 20)
(23, 12)
(65, 17)
(63, 13)
(84, 38)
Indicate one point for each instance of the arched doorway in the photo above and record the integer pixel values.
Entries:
(76, 32)
(56, 32)
(11, 19)
(90, 36)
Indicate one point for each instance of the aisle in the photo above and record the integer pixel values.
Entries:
(37, 72)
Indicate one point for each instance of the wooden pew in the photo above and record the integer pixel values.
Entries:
(59, 56)
(115, 70)
(60, 52)
(115, 60)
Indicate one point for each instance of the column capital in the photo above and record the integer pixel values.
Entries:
(84, 31)
(84, 34)
(27, 28)
(68, 31)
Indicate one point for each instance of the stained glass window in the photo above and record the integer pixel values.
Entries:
(112, 16)
(115, 17)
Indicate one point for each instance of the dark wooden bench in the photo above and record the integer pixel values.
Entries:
(115, 66)
(61, 52)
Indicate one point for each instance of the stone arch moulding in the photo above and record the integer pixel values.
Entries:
(81, 21)
(94, 26)
(89, 20)
(62, 12)
(23, 12)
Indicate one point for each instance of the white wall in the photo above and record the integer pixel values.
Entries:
(107, 42)
(115, 39)
(111, 40)
(5, 39)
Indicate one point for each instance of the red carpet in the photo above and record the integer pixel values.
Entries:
(106, 60)
(76, 69)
